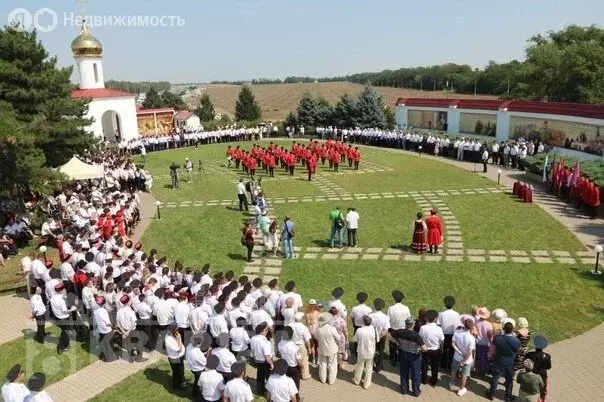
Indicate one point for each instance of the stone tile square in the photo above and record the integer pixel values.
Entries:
(566, 260)
(370, 256)
(455, 238)
(454, 258)
(561, 253)
(518, 252)
(585, 253)
(412, 257)
(329, 257)
(309, 256)
(250, 269)
(350, 256)
(452, 227)
(474, 251)
(540, 253)
(390, 257)
(455, 251)
(497, 252)
(374, 250)
(402, 196)
(255, 262)
(356, 250)
(314, 249)
(454, 232)
(433, 258)
(524, 260)
(273, 262)
(454, 245)
(297, 249)
(543, 260)
(476, 258)
(393, 251)
(588, 261)
(497, 258)
(334, 250)
(272, 270)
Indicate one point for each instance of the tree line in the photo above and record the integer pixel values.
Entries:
(138, 87)
(560, 66)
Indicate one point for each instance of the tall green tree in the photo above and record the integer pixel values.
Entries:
(153, 100)
(370, 109)
(246, 107)
(390, 118)
(170, 99)
(205, 110)
(40, 94)
(325, 113)
(566, 65)
(308, 110)
(345, 113)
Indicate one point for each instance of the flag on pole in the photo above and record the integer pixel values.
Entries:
(545, 169)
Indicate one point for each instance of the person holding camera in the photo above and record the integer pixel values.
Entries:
(174, 175)
(176, 352)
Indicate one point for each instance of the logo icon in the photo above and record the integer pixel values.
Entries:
(20, 18)
(43, 20)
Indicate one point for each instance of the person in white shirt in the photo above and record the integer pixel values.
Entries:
(211, 382)
(301, 337)
(62, 315)
(13, 389)
(484, 159)
(448, 320)
(280, 387)
(126, 324)
(176, 351)
(357, 313)
(217, 323)
(36, 384)
(225, 356)
(38, 312)
(327, 339)
(241, 195)
(240, 339)
(198, 318)
(237, 390)
(397, 314)
(337, 293)
(290, 352)
(381, 323)
(464, 345)
(433, 338)
(262, 353)
(352, 226)
(182, 315)
(26, 267)
(196, 359)
(366, 338)
(145, 314)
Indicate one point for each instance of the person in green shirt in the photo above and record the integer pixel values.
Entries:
(531, 384)
(337, 226)
(265, 223)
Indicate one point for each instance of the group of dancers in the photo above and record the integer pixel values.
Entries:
(308, 155)
(427, 234)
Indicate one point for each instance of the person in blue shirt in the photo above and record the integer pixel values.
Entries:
(506, 348)
(287, 237)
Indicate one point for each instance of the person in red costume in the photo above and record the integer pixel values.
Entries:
(435, 231)
(311, 165)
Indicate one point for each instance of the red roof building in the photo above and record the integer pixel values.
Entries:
(97, 93)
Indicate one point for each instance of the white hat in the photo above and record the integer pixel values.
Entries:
(508, 320)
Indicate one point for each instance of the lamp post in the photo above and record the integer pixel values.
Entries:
(598, 249)
(419, 154)
(499, 171)
(43, 250)
(157, 204)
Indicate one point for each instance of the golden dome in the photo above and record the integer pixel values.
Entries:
(86, 45)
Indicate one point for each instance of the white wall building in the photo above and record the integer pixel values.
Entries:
(187, 120)
(113, 112)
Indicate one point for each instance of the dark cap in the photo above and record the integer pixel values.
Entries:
(36, 382)
(337, 292)
(449, 301)
(281, 367)
(13, 373)
(289, 286)
(397, 295)
(212, 362)
(362, 297)
(257, 282)
(124, 299)
(432, 314)
(219, 308)
(237, 368)
(379, 304)
(273, 283)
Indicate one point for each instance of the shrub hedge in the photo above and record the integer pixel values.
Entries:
(593, 168)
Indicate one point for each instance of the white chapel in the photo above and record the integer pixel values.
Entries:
(113, 111)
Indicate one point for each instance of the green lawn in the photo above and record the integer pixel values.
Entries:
(501, 222)
(546, 294)
(35, 357)
(151, 384)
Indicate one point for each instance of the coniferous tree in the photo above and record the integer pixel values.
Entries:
(40, 95)
(205, 110)
(153, 100)
(308, 111)
(246, 107)
(370, 109)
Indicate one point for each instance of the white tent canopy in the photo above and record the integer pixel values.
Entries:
(78, 170)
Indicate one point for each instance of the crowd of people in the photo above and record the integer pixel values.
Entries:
(573, 187)
(307, 155)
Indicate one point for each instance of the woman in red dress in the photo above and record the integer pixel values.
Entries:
(419, 235)
(435, 231)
